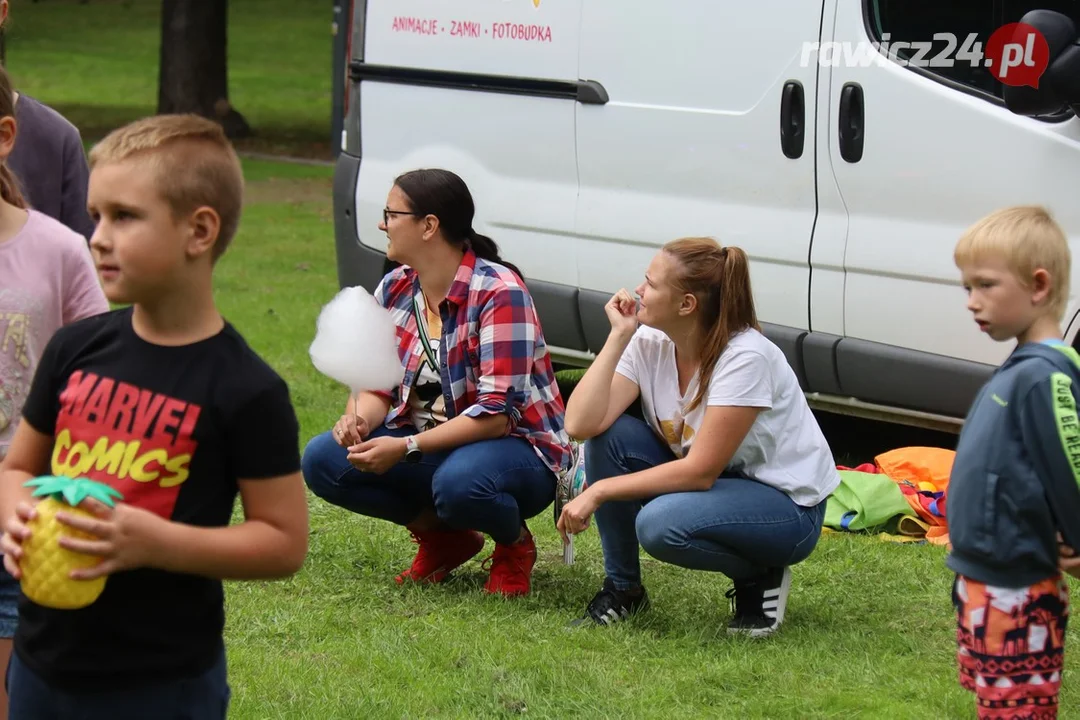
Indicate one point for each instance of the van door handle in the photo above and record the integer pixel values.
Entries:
(851, 122)
(792, 119)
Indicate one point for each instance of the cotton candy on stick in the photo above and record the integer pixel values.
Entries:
(356, 342)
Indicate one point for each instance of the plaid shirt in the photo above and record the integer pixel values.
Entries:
(493, 357)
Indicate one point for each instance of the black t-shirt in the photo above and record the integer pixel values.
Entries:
(173, 429)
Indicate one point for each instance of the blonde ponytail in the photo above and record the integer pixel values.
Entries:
(719, 277)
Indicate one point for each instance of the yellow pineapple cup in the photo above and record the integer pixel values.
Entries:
(46, 565)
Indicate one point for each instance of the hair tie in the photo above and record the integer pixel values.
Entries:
(723, 254)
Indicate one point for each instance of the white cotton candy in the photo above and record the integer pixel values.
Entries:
(356, 343)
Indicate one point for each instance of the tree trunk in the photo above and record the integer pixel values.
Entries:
(193, 73)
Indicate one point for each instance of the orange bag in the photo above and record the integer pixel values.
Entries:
(923, 476)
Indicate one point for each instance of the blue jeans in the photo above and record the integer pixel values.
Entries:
(739, 527)
(492, 486)
(203, 697)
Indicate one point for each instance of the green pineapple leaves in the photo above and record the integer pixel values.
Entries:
(73, 490)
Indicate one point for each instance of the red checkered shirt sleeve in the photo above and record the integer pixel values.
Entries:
(508, 333)
(384, 295)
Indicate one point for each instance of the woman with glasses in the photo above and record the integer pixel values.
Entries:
(729, 472)
(471, 441)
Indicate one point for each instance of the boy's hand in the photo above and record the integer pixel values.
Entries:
(15, 533)
(1068, 560)
(127, 536)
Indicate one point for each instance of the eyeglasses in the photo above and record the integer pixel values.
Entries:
(387, 212)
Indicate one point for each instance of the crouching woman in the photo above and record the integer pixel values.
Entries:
(471, 441)
(729, 472)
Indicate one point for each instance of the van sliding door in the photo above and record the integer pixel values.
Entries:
(709, 130)
(918, 154)
(487, 90)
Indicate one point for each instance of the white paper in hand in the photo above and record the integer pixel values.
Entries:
(356, 342)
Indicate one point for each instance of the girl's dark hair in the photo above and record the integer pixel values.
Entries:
(720, 279)
(9, 185)
(441, 193)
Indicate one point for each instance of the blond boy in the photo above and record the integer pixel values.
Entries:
(1013, 492)
(208, 419)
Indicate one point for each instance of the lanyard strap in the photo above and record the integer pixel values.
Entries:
(421, 326)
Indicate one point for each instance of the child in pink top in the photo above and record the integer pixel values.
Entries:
(47, 279)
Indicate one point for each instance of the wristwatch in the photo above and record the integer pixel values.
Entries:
(412, 450)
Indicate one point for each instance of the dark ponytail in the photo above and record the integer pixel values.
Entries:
(9, 185)
(719, 277)
(486, 248)
(446, 196)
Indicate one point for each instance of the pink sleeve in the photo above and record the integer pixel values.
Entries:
(83, 296)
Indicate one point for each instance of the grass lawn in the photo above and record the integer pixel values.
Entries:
(97, 63)
(869, 630)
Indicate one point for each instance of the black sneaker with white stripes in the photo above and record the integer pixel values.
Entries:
(610, 606)
(759, 603)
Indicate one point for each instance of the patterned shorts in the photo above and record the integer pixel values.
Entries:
(1010, 646)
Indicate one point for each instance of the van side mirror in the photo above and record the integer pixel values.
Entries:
(1059, 86)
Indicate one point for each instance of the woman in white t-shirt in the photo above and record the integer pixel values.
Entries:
(729, 475)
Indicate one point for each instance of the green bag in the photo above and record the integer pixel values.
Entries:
(864, 501)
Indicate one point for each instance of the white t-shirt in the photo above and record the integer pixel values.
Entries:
(785, 447)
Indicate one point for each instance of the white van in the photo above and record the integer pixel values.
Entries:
(592, 131)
